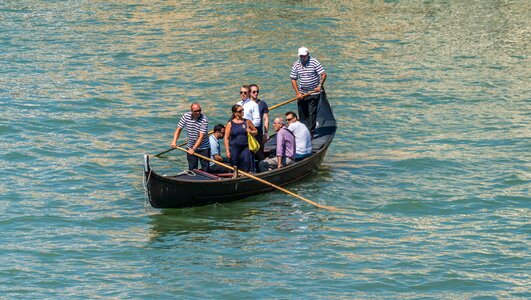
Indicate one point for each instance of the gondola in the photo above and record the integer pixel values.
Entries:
(197, 188)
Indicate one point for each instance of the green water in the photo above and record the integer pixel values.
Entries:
(430, 163)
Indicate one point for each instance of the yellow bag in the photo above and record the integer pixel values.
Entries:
(254, 146)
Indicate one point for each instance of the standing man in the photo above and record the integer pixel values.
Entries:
(250, 108)
(303, 139)
(215, 149)
(285, 152)
(196, 125)
(263, 127)
(307, 75)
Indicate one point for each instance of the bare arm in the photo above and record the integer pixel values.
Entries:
(279, 162)
(321, 82)
(251, 129)
(323, 78)
(176, 137)
(266, 126)
(226, 139)
(296, 88)
(197, 143)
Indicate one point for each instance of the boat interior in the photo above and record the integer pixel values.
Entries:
(319, 140)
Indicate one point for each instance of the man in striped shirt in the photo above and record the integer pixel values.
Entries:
(196, 125)
(307, 75)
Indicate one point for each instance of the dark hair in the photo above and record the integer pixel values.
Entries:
(255, 85)
(234, 109)
(293, 114)
(248, 88)
(218, 128)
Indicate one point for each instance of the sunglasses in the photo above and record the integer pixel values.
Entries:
(239, 111)
(289, 120)
(255, 92)
(242, 93)
(196, 111)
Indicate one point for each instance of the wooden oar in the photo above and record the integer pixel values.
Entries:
(271, 108)
(290, 100)
(262, 181)
(165, 151)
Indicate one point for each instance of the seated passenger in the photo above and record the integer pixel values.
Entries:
(285, 152)
(303, 138)
(215, 150)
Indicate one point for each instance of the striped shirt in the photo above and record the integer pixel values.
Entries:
(193, 128)
(308, 76)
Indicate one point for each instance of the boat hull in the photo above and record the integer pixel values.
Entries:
(197, 188)
(164, 192)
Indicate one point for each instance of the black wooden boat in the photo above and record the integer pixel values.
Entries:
(197, 188)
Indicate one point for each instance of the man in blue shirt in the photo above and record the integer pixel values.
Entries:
(215, 149)
(307, 75)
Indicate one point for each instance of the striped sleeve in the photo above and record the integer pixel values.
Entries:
(204, 125)
(318, 67)
(294, 72)
(182, 121)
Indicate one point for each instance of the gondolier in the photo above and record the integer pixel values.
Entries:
(196, 188)
(307, 75)
(196, 125)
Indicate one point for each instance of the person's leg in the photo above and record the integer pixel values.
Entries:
(193, 162)
(302, 106)
(259, 155)
(246, 160)
(204, 163)
(287, 161)
(312, 112)
(235, 155)
(267, 163)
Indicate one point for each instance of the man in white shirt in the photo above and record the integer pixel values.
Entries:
(302, 135)
(251, 111)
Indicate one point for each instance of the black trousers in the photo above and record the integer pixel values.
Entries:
(193, 161)
(259, 155)
(308, 111)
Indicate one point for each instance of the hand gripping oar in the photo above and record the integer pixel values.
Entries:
(271, 108)
(262, 181)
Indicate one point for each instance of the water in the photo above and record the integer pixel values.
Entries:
(431, 160)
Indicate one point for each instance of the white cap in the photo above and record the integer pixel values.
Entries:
(303, 51)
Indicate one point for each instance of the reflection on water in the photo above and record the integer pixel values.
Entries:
(430, 160)
(202, 219)
(278, 211)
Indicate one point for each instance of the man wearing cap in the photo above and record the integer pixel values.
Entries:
(307, 75)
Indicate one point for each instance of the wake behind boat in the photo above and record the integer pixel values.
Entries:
(198, 188)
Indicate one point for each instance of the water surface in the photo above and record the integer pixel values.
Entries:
(431, 159)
